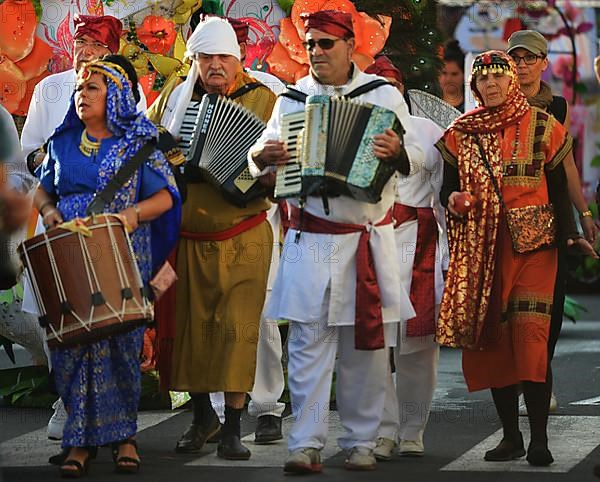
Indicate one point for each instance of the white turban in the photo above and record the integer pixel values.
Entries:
(212, 36)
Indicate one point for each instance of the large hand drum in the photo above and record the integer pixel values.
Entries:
(85, 280)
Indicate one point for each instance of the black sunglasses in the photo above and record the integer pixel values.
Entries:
(323, 43)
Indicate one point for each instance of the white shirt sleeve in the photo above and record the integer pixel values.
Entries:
(271, 132)
(32, 136)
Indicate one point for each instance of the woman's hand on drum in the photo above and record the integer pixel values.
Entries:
(131, 217)
(51, 217)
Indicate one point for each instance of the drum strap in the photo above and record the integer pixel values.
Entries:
(127, 170)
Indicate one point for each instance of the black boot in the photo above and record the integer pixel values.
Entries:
(506, 450)
(204, 426)
(268, 429)
(511, 446)
(537, 397)
(230, 447)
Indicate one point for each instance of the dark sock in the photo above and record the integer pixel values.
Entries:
(232, 421)
(537, 399)
(506, 400)
(204, 413)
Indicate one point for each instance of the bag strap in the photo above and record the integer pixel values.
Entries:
(491, 174)
(244, 89)
(126, 172)
(368, 87)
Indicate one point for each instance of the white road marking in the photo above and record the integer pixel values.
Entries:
(588, 401)
(571, 440)
(274, 455)
(33, 449)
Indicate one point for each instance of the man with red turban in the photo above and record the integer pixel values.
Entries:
(323, 294)
(417, 215)
(94, 37)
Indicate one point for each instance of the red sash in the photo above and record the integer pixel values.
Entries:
(368, 327)
(422, 286)
(242, 227)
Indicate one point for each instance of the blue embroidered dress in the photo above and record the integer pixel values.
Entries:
(99, 383)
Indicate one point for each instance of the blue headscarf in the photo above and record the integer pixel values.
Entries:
(133, 130)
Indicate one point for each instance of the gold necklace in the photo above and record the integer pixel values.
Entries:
(88, 147)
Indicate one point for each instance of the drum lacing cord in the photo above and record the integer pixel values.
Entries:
(60, 289)
(91, 273)
(146, 306)
(120, 265)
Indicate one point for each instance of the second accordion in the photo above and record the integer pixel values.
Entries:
(331, 149)
(220, 136)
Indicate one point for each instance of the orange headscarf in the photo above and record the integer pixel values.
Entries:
(466, 298)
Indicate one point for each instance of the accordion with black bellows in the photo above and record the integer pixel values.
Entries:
(219, 140)
(331, 149)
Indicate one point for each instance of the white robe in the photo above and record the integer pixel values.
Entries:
(321, 262)
(420, 189)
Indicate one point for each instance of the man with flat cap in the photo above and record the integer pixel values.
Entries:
(221, 286)
(529, 50)
(322, 288)
(94, 37)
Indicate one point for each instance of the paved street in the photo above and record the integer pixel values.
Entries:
(461, 428)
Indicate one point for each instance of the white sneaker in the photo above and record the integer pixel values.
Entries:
(56, 424)
(384, 448)
(360, 458)
(412, 448)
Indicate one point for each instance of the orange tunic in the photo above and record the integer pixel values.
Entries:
(516, 349)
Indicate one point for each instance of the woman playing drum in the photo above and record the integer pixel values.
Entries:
(99, 383)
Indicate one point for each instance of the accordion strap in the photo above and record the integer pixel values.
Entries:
(368, 87)
(299, 96)
(244, 89)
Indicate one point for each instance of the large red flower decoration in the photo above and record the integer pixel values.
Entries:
(157, 33)
(289, 60)
(24, 57)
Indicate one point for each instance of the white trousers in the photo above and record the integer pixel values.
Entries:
(407, 405)
(268, 380)
(360, 385)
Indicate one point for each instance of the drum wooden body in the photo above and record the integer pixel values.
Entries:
(86, 281)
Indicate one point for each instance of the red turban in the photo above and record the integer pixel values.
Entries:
(104, 29)
(241, 29)
(338, 24)
(383, 66)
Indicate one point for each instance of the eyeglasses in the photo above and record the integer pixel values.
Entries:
(81, 43)
(323, 43)
(529, 59)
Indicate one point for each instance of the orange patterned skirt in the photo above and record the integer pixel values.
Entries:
(518, 350)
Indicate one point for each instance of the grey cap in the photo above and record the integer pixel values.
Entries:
(530, 40)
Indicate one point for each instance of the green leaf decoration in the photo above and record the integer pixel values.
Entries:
(37, 5)
(213, 6)
(573, 310)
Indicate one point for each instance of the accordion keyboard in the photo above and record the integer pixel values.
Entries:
(288, 181)
(186, 131)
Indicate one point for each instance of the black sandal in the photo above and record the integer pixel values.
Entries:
(124, 464)
(80, 470)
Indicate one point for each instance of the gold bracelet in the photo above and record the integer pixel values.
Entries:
(137, 212)
(586, 214)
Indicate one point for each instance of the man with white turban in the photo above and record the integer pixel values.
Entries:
(222, 284)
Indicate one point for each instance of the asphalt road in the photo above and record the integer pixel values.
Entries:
(461, 428)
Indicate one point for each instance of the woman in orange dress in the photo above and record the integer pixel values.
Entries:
(497, 302)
